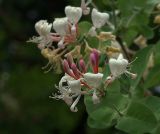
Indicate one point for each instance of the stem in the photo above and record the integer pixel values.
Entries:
(123, 48)
(117, 110)
(114, 13)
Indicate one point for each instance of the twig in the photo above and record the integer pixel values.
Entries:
(123, 48)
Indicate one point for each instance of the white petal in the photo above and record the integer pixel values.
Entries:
(60, 25)
(75, 86)
(93, 80)
(73, 14)
(99, 19)
(73, 107)
(118, 66)
(43, 28)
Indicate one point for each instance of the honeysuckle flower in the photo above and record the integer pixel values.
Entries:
(118, 67)
(85, 9)
(43, 28)
(94, 80)
(61, 26)
(68, 90)
(73, 14)
(98, 19)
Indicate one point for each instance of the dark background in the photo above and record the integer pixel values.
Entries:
(25, 107)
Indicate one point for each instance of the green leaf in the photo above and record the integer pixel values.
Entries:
(153, 103)
(106, 111)
(140, 65)
(139, 119)
(153, 78)
(157, 54)
(84, 27)
(156, 130)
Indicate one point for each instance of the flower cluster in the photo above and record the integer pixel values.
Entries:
(78, 80)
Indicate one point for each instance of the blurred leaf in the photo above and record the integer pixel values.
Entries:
(153, 78)
(153, 103)
(140, 64)
(84, 27)
(138, 119)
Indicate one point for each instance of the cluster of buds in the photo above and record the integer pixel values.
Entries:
(77, 80)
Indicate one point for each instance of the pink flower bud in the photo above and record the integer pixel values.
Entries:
(75, 70)
(82, 66)
(67, 68)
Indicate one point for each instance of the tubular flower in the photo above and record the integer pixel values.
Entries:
(85, 9)
(68, 90)
(73, 14)
(99, 19)
(61, 26)
(118, 67)
(43, 28)
(70, 84)
(94, 79)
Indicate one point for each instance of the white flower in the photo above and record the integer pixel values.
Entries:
(118, 67)
(44, 39)
(99, 19)
(60, 25)
(85, 9)
(69, 89)
(73, 14)
(93, 80)
(43, 28)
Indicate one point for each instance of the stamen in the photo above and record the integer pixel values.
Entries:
(133, 76)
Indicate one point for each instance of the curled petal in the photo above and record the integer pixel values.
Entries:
(73, 107)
